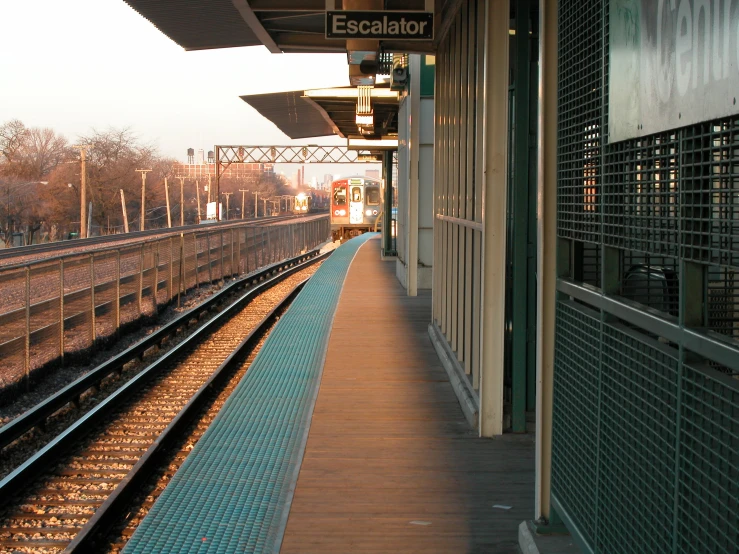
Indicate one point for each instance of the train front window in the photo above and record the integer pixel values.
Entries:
(340, 196)
(356, 194)
(373, 196)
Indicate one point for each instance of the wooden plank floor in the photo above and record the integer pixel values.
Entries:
(391, 464)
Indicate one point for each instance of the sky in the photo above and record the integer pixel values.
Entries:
(75, 65)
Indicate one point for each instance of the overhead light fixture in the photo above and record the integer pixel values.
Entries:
(362, 80)
(366, 120)
(369, 144)
(349, 92)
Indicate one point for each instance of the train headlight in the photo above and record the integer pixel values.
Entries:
(342, 212)
(374, 212)
(336, 212)
(304, 208)
(368, 212)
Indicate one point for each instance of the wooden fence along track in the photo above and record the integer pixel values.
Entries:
(58, 307)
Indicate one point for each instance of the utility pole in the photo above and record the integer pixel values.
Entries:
(125, 215)
(227, 195)
(182, 202)
(166, 195)
(197, 192)
(83, 189)
(256, 204)
(143, 197)
(264, 212)
(209, 187)
(243, 202)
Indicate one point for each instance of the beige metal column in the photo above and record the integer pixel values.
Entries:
(547, 251)
(413, 184)
(494, 217)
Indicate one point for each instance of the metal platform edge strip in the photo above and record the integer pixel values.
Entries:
(233, 492)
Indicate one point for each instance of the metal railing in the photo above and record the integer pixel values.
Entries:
(56, 309)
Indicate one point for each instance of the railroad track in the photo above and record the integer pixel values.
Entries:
(98, 462)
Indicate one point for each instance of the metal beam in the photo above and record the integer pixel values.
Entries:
(385, 143)
(349, 93)
(255, 25)
(288, 6)
(251, 154)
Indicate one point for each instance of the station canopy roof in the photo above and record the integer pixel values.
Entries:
(328, 111)
(280, 25)
(293, 26)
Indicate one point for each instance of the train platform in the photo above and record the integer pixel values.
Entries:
(346, 436)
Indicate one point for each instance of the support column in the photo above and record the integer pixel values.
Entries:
(546, 251)
(494, 217)
(520, 223)
(387, 168)
(413, 181)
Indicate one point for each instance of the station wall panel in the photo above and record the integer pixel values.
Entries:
(645, 453)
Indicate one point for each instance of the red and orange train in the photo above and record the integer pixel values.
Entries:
(356, 203)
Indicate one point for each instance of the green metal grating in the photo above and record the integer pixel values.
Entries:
(232, 492)
(640, 200)
(580, 109)
(710, 192)
(645, 450)
(575, 425)
(708, 491)
(645, 453)
(636, 470)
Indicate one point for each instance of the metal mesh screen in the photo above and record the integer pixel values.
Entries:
(723, 301)
(580, 110)
(710, 192)
(651, 280)
(645, 453)
(636, 472)
(708, 492)
(575, 426)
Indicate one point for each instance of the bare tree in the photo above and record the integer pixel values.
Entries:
(112, 160)
(12, 136)
(43, 151)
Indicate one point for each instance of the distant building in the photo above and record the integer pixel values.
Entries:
(236, 170)
(327, 179)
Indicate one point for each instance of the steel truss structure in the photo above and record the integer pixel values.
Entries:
(227, 155)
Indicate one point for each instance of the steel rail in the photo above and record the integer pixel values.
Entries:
(117, 501)
(39, 462)
(37, 415)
